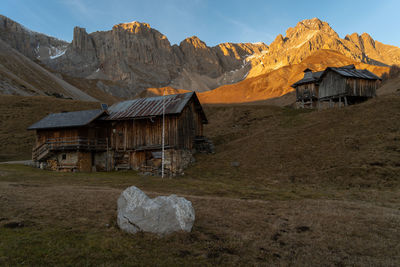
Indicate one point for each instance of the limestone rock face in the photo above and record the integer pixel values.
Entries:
(200, 58)
(31, 44)
(161, 215)
(137, 57)
(142, 57)
(312, 35)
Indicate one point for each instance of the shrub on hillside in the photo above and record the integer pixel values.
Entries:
(394, 72)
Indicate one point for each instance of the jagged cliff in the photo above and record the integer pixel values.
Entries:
(309, 36)
(142, 57)
(32, 44)
(135, 56)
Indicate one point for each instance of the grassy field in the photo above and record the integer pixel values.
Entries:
(19, 112)
(307, 188)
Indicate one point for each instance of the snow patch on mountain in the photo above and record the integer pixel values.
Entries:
(55, 52)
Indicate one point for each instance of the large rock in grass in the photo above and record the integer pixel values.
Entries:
(161, 215)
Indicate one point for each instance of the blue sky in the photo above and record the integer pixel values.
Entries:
(212, 21)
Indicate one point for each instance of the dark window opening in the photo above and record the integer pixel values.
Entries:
(64, 156)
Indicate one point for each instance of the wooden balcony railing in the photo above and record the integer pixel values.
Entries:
(68, 143)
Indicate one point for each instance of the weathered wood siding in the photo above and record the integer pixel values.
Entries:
(43, 135)
(361, 87)
(91, 132)
(190, 125)
(180, 131)
(139, 134)
(332, 84)
(307, 91)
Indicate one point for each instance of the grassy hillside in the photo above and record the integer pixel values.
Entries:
(18, 112)
(89, 86)
(285, 187)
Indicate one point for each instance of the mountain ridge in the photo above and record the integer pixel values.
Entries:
(138, 57)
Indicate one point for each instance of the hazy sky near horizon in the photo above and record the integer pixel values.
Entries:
(212, 21)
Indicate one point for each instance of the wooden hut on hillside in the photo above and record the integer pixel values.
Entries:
(346, 85)
(70, 140)
(307, 88)
(127, 135)
(136, 136)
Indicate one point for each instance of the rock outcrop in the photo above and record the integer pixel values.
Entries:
(161, 215)
(21, 76)
(142, 57)
(311, 35)
(136, 57)
(31, 44)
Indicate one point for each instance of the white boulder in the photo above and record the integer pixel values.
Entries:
(161, 215)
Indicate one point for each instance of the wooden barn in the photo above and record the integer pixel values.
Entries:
(346, 85)
(307, 88)
(127, 135)
(70, 140)
(136, 135)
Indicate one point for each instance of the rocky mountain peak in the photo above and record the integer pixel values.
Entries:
(314, 24)
(367, 38)
(193, 41)
(32, 44)
(133, 27)
(81, 40)
(310, 25)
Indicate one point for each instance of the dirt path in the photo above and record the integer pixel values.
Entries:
(22, 162)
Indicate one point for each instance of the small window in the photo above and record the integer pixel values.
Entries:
(64, 156)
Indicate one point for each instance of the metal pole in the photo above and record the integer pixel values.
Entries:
(163, 135)
(107, 154)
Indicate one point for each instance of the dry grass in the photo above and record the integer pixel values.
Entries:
(89, 86)
(311, 188)
(17, 113)
(72, 221)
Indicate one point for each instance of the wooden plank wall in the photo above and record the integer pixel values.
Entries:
(190, 126)
(180, 131)
(42, 135)
(332, 84)
(361, 87)
(303, 91)
(133, 134)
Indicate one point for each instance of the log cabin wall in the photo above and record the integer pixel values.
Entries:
(142, 133)
(43, 135)
(305, 91)
(190, 125)
(137, 134)
(332, 84)
(361, 87)
(92, 131)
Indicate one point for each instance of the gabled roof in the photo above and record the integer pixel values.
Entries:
(346, 71)
(315, 78)
(67, 119)
(351, 72)
(152, 106)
